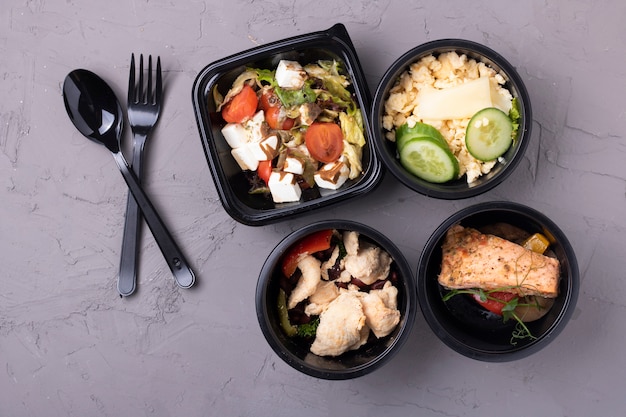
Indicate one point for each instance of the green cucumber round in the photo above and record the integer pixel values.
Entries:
(489, 134)
(405, 133)
(429, 160)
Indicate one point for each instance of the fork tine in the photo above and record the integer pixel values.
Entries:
(140, 92)
(149, 85)
(131, 80)
(159, 82)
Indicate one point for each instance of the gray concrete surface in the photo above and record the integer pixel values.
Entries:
(70, 346)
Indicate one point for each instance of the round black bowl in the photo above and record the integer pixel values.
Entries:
(461, 323)
(456, 189)
(351, 364)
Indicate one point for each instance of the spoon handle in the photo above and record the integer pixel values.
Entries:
(129, 259)
(175, 259)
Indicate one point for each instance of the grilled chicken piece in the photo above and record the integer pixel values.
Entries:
(308, 282)
(341, 326)
(380, 316)
(364, 261)
(475, 260)
(325, 292)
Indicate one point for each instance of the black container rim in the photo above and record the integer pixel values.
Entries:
(374, 169)
(401, 64)
(406, 323)
(571, 296)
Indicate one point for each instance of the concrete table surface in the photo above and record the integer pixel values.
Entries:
(70, 346)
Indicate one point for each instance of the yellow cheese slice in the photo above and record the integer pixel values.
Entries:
(459, 102)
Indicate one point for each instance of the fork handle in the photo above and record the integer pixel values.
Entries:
(129, 260)
(175, 259)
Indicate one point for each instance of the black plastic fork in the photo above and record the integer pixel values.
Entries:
(144, 107)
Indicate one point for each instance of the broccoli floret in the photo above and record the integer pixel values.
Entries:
(308, 329)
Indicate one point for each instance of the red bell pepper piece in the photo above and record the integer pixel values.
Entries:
(315, 242)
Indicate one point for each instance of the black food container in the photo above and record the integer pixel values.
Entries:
(469, 329)
(459, 188)
(354, 363)
(231, 183)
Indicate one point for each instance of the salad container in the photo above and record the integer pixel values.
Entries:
(231, 183)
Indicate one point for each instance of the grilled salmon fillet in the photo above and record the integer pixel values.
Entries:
(475, 260)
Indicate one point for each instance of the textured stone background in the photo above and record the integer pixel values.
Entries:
(69, 346)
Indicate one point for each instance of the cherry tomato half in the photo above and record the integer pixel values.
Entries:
(496, 304)
(276, 119)
(268, 99)
(241, 107)
(274, 114)
(264, 170)
(324, 141)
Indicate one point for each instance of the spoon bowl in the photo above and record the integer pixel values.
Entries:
(95, 111)
(93, 108)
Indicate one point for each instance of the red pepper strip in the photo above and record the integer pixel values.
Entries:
(315, 242)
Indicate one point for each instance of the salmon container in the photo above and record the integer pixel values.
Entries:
(442, 84)
(238, 186)
(513, 241)
(323, 325)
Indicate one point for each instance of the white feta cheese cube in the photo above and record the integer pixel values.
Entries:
(332, 175)
(294, 165)
(235, 134)
(253, 126)
(284, 187)
(265, 149)
(290, 74)
(240, 134)
(245, 158)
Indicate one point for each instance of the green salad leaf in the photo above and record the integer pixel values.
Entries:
(289, 98)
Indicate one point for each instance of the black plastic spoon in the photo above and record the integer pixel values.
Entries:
(97, 114)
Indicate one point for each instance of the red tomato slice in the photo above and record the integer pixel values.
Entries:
(264, 170)
(277, 120)
(315, 242)
(241, 107)
(274, 116)
(496, 305)
(324, 141)
(268, 99)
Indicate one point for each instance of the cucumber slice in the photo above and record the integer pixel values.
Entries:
(429, 160)
(405, 133)
(489, 134)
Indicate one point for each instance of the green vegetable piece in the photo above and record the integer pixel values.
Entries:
(429, 160)
(309, 329)
(289, 329)
(421, 130)
(489, 134)
(515, 116)
(292, 98)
